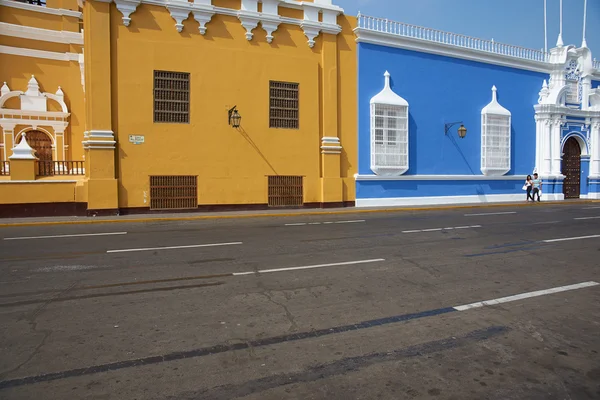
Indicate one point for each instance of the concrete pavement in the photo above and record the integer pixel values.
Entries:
(275, 212)
(306, 307)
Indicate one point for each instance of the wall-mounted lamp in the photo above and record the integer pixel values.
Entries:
(462, 131)
(234, 118)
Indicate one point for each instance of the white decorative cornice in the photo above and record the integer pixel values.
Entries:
(547, 109)
(424, 46)
(45, 35)
(250, 20)
(269, 19)
(41, 10)
(180, 11)
(127, 7)
(203, 15)
(270, 25)
(311, 31)
(49, 55)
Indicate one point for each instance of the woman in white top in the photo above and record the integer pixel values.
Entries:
(528, 187)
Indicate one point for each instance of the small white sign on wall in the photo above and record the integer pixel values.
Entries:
(136, 139)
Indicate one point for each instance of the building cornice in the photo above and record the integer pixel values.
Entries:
(442, 49)
(381, 31)
(40, 9)
(546, 110)
(45, 35)
(359, 177)
(49, 55)
(249, 17)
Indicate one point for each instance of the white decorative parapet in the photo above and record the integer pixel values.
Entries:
(384, 25)
(596, 64)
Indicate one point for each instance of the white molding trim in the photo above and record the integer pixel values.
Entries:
(424, 46)
(49, 55)
(40, 9)
(440, 178)
(438, 200)
(99, 139)
(591, 195)
(41, 181)
(45, 35)
(203, 11)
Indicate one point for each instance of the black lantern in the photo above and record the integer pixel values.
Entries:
(234, 117)
(462, 131)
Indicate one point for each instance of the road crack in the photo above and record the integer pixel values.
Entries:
(289, 315)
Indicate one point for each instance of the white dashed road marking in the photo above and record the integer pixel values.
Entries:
(325, 223)
(525, 296)
(173, 247)
(442, 229)
(66, 236)
(496, 213)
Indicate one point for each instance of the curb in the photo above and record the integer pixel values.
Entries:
(297, 214)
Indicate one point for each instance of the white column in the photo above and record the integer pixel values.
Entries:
(586, 86)
(595, 148)
(545, 155)
(555, 146)
(9, 139)
(538, 128)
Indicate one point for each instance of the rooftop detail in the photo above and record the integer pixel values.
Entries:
(384, 27)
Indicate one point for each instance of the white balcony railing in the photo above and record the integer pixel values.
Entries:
(384, 25)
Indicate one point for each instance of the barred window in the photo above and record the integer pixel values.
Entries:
(389, 138)
(172, 97)
(495, 138)
(283, 105)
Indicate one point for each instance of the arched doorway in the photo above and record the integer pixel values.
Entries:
(571, 168)
(41, 143)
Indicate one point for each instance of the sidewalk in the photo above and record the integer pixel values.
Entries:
(193, 216)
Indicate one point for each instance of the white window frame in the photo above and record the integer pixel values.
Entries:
(389, 132)
(496, 141)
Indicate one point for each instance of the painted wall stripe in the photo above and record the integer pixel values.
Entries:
(66, 236)
(174, 247)
(265, 271)
(570, 238)
(525, 295)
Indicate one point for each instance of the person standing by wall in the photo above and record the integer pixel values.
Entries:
(537, 187)
(528, 186)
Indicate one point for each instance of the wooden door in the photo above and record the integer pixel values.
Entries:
(41, 143)
(571, 169)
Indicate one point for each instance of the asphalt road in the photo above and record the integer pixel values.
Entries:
(360, 306)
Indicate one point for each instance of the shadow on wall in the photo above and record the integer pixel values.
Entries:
(462, 154)
(413, 144)
(246, 136)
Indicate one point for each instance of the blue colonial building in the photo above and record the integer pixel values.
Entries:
(446, 118)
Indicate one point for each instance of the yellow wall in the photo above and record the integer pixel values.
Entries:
(36, 192)
(16, 70)
(227, 70)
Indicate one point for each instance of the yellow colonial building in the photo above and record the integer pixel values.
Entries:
(142, 105)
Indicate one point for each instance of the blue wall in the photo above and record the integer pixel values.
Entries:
(442, 89)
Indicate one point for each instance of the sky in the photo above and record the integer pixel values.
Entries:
(516, 22)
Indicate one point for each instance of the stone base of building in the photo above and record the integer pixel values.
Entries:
(80, 209)
(43, 210)
(447, 200)
(235, 207)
